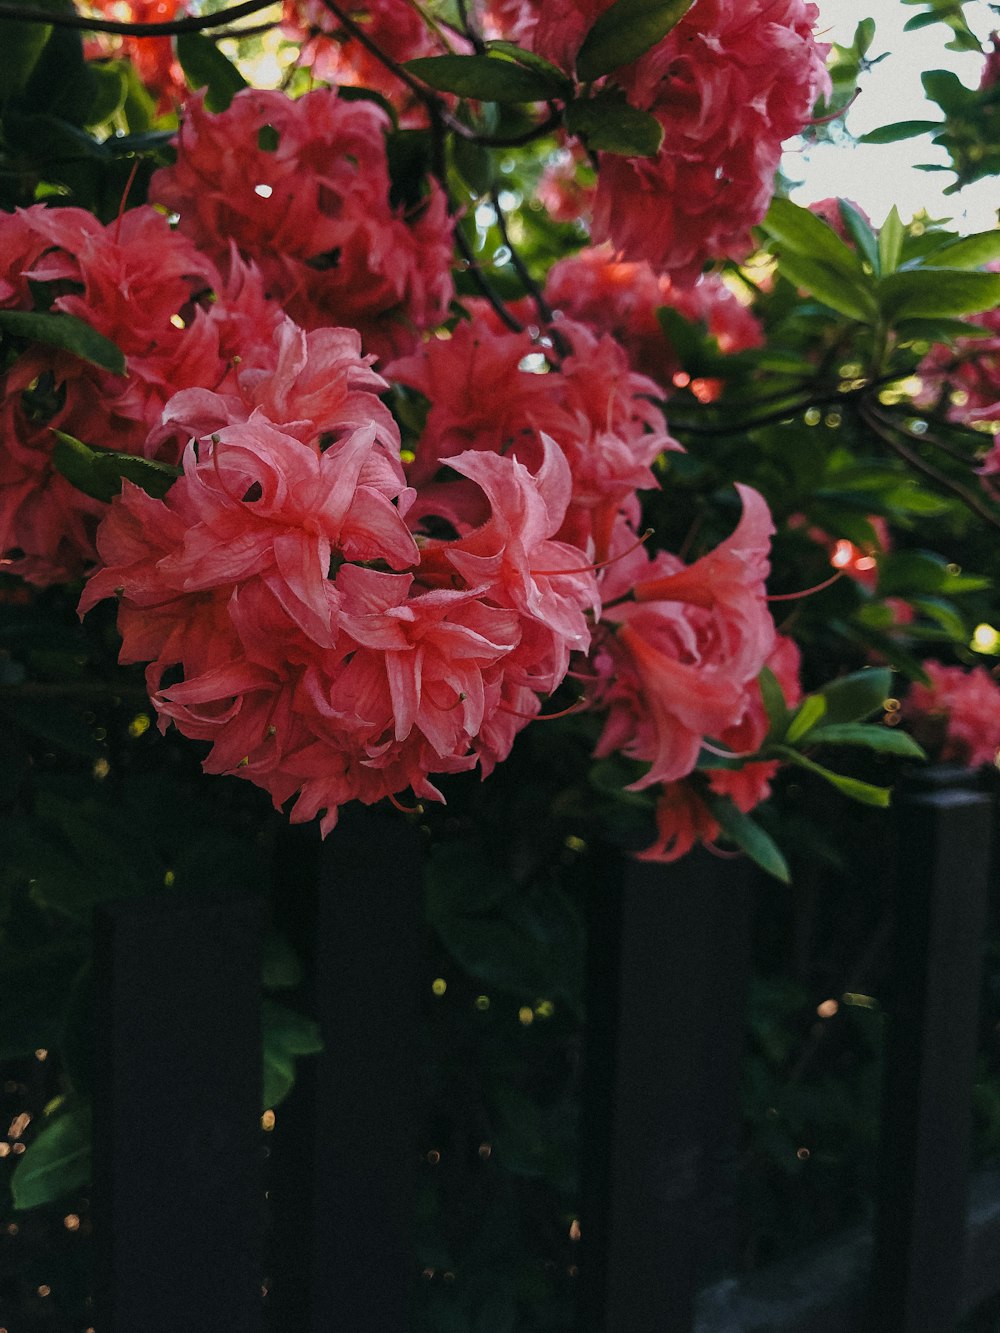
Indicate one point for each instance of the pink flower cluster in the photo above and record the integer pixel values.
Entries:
(141, 285)
(957, 715)
(729, 83)
(622, 299)
(301, 188)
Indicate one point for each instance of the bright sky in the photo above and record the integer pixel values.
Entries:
(876, 177)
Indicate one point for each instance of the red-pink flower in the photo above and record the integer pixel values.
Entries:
(956, 716)
(681, 652)
(302, 188)
(729, 83)
(136, 282)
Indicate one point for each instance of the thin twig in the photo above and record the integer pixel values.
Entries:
(170, 28)
(903, 451)
(520, 268)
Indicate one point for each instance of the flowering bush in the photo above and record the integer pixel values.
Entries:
(465, 402)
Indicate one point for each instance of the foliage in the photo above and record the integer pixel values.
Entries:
(845, 372)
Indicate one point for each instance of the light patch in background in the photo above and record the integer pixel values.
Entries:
(877, 176)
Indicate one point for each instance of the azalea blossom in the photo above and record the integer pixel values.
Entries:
(957, 714)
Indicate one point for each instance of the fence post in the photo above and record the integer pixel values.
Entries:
(668, 968)
(352, 1145)
(178, 1161)
(944, 824)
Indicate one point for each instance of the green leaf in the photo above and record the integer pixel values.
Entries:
(748, 834)
(485, 78)
(900, 129)
(286, 1035)
(829, 286)
(22, 46)
(774, 702)
(99, 472)
(532, 61)
(807, 235)
(851, 698)
(205, 66)
(938, 330)
(983, 247)
(928, 293)
(948, 90)
(268, 139)
(65, 332)
(860, 232)
(808, 713)
(864, 792)
(607, 124)
(864, 35)
(903, 573)
(624, 31)
(282, 969)
(883, 740)
(890, 242)
(56, 1162)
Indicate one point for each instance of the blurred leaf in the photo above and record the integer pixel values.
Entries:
(286, 1035)
(607, 124)
(803, 232)
(747, 834)
(774, 701)
(205, 66)
(890, 242)
(946, 89)
(56, 1162)
(829, 285)
(624, 31)
(282, 969)
(882, 740)
(860, 231)
(900, 129)
(930, 292)
(65, 332)
(864, 792)
(808, 713)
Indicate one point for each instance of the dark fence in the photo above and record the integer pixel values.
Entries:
(180, 1166)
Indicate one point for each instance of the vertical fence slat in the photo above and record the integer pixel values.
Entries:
(178, 1190)
(354, 1113)
(944, 826)
(668, 972)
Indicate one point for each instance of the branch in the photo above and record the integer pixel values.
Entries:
(194, 23)
(969, 498)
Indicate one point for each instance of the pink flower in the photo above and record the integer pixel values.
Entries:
(301, 188)
(685, 651)
(136, 282)
(622, 299)
(729, 83)
(957, 716)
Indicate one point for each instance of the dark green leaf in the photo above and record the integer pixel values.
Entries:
(904, 573)
(57, 1161)
(99, 472)
(851, 698)
(286, 1036)
(532, 61)
(774, 702)
(268, 139)
(624, 31)
(607, 124)
(883, 740)
(948, 90)
(927, 293)
(938, 330)
(65, 332)
(474, 164)
(900, 129)
(485, 78)
(205, 66)
(748, 834)
(282, 969)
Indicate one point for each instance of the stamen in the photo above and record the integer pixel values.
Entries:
(592, 569)
(576, 707)
(725, 754)
(405, 809)
(125, 194)
(808, 592)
